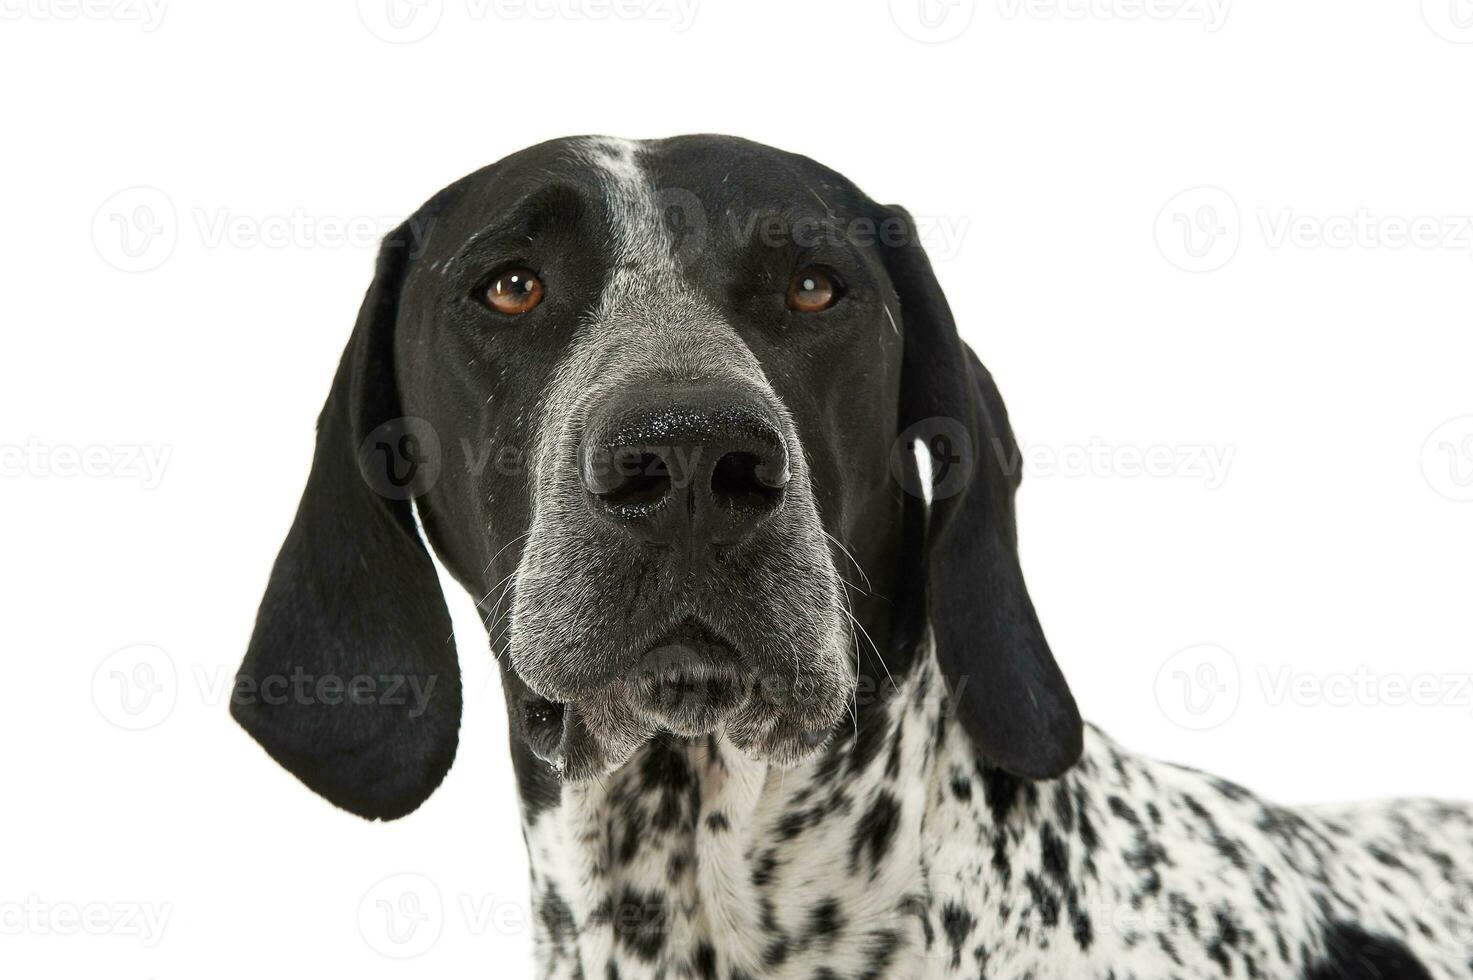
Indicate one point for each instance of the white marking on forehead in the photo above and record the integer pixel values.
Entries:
(642, 243)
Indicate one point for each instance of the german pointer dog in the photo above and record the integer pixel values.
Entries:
(781, 705)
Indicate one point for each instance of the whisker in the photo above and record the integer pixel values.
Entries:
(500, 628)
(496, 612)
(503, 548)
(872, 646)
(848, 554)
(498, 585)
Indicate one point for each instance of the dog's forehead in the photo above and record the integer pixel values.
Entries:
(734, 173)
(636, 188)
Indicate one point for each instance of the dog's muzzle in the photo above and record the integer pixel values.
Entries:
(690, 590)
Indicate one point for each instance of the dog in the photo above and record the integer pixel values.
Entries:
(781, 705)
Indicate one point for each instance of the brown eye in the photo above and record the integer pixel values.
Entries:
(514, 291)
(812, 290)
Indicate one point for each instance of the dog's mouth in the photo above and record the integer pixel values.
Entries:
(689, 680)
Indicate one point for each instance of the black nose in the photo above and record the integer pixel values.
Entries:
(685, 464)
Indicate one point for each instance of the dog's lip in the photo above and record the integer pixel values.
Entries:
(691, 649)
(688, 679)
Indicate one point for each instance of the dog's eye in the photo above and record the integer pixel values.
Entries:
(514, 291)
(813, 289)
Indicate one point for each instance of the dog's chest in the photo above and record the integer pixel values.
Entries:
(697, 861)
(896, 855)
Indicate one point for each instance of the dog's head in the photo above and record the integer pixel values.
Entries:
(653, 404)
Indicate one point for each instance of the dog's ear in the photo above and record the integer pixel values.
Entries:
(1009, 692)
(350, 680)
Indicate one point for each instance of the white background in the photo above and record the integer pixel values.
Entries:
(1170, 228)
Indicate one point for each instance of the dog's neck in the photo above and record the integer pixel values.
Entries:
(897, 853)
(694, 860)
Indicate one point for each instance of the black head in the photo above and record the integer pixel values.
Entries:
(654, 405)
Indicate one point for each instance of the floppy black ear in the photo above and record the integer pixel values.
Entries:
(350, 680)
(1012, 698)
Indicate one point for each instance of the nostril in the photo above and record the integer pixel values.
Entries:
(742, 481)
(638, 480)
(695, 465)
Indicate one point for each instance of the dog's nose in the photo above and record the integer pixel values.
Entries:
(685, 464)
